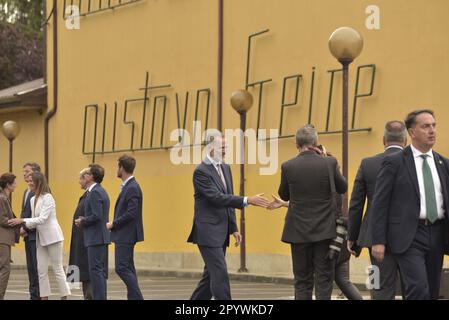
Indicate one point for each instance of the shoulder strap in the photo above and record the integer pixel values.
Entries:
(331, 175)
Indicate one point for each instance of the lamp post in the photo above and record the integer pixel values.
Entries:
(242, 101)
(345, 44)
(10, 130)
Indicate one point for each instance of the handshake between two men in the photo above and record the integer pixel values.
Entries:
(260, 201)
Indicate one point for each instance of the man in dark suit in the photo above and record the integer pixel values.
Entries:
(360, 230)
(410, 209)
(127, 226)
(96, 235)
(29, 235)
(306, 181)
(214, 218)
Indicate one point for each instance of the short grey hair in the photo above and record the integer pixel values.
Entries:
(395, 131)
(306, 135)
(211, 135)
(84, 172)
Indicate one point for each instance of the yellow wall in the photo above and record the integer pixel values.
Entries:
(176, 41)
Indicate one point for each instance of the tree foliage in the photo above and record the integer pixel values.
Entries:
(21, 41)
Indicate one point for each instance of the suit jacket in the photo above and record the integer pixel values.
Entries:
(8, 235)
(396, 205)
(305, 182)
(96, 210)
(128, 224)
(359, 229)
(44, 220)
(214, 218)
(26, 213)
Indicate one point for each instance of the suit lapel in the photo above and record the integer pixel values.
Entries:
(411, 168)
(37, 211)
(215, 176)
(227, 172)
(122, 192)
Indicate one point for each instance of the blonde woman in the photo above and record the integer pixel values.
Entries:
(49, 238)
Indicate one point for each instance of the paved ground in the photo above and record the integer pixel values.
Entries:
(160, 288)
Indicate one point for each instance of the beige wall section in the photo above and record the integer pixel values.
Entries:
(176, 41)
(28, 147)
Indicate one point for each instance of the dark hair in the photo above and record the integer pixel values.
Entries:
(97, 172)
(128, 163)
(40, 183)
(395, 131)
(34, 166)
(7, 178)
(410, 121)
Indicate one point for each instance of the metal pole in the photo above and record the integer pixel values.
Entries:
(345, 129)
(10, 163)
(10, 155)
(242, 192)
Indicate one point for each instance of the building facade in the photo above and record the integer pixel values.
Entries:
(126, 76)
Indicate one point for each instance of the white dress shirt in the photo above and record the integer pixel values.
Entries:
(216, 164)
(125, 182)
(436, 182)
(394, 146)
(91, 187)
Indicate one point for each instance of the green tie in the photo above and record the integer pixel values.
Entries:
(429, 189)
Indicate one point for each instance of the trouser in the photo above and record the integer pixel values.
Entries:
(33, 276)
(388, 275)
(421, 264)
(343, 282)
(87, 290)
(5, 268)
(312, 269)
(215, 279)
(97, 257)
(51, 254)
(124, 267)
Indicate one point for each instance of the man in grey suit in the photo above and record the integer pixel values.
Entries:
(310, 222)
(214, 218)
(360, 229)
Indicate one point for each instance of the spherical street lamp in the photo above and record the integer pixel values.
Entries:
(11, 131)
(345, 44)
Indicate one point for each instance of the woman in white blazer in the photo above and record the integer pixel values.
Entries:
(49, 240)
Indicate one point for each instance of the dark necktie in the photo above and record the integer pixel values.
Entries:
(221, 174)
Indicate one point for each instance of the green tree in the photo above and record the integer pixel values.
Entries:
(28, 13)
(21, 41)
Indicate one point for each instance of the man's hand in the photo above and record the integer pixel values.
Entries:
(238, 238)
(350, 244)
(259, 201)
(277, 203)
(317, 150)
(109, 225)
(23, 233)
(78, 221)
(378, 252)
(15, 222)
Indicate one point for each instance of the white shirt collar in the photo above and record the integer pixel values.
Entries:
(126, 181)
(394, 146)
(91, 187)
(213, 161)
(417, 153)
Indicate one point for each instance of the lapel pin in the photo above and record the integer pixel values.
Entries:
(441, 162)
